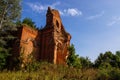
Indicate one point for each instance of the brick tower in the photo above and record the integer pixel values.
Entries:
(56, 39)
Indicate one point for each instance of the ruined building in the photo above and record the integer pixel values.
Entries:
(48, 44)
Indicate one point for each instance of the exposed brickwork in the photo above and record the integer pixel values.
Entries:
(49, 44)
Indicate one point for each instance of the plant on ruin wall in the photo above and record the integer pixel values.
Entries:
(27, 62)
(29, 22)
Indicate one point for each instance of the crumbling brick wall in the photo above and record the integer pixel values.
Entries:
(49, 44)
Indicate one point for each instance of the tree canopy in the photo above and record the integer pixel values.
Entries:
(10, 11)
(76, 61)
(73, 59)
(108, 59)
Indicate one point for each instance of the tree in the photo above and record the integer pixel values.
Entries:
(117, 58)
(73, 59)
(99, 60)
(85, 62)
(29, 22)
(3, 55)
(9, 13)
(118, 53)
(107, 59)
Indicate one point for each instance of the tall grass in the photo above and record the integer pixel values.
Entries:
(47, 71)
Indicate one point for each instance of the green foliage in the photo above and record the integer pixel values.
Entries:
(85, 62)
(29, 22)
(18, 23)
(76, 61)
(89, 74)
(3, 56)
(109, 74)
(108, 58)
(73, 59)
(48, 71)
(117, 59)
(9, 12)
(118, 53)
(115, 74)
(32, 64)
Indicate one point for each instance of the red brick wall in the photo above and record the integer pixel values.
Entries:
(29, 43)
(49, 44)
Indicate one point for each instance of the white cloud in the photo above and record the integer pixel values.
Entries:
(37, 7)
(62, 13)
(115, 20)
(95, 16)
(40, 8)
(72, 12)
(55, 4)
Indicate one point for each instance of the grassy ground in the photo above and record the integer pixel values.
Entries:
(47, 75)
(58, 72)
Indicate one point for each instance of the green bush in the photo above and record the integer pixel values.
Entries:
(115, 74)
(3, 58)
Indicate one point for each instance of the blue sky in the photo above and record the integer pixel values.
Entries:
(93, 24)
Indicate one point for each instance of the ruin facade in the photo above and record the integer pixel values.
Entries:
(48, 44)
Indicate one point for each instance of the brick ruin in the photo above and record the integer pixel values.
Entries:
(48, 44)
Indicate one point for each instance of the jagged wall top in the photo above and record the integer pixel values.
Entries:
(53, 12)
(53, 18)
